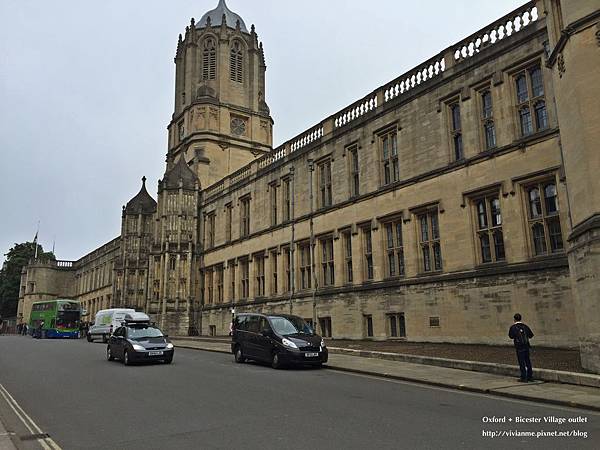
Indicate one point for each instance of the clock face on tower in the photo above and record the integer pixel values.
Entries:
(238, 126)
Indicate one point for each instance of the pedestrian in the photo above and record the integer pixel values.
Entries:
(25, 329)
(19, 328)
(520, 334)
(39, 329)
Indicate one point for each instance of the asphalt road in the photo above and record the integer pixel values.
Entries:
(204, 401)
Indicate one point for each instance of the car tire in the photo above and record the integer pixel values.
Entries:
(239, 355)
(126, 358)
(276, 362)
(109, 355)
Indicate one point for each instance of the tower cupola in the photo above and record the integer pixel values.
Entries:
(215, 17)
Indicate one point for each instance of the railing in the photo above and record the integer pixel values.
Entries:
(356, 110)
(62, 263)
(404, 83)
(277, 154)
(506, 26)
(306, 138)
(502, 28)
(240, 174)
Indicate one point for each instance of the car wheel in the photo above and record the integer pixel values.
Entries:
(89, 338)
(109, 355)
(239, 355)
(126, 358)
(276, 362)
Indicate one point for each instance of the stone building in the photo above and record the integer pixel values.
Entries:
(432, 209)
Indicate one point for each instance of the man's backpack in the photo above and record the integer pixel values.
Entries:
(521, 338)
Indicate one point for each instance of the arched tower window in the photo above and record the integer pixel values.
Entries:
(209, 59)
(236, 62)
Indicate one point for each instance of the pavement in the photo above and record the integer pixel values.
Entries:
(572, 395)
(5, 440)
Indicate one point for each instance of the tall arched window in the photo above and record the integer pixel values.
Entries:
(236, 62)
(209, 59)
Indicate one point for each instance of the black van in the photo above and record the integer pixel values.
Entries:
(278, 339)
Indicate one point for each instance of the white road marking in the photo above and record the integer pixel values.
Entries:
(46, 443)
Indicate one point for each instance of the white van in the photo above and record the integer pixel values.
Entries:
(106, 321)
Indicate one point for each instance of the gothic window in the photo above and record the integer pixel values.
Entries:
(429, 241)
(394, 249)
(209, 59)
(456, 131)
(489, 228)
(397, 325)
(219, 284)
(274, 271)
(245, 217)
(228, 219)
(210, 230)
(287, 199)
(287, 263)
(231, 268)
(273, 192)
(324, 178)
(328, 272)
(354, 171)
(236, 62)
(543, 218)
(245, 278)
(367, 254)
(209, 286)
(531, 103)
(305, 266)
(348, 257)
(487, 120)
(259, 262)
(389, 157)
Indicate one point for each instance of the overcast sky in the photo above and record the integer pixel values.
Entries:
(86, 91)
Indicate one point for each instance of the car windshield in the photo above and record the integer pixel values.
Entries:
(137, 333)
(285, 326)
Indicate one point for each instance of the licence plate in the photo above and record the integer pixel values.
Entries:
(310, 355)
(155, 353)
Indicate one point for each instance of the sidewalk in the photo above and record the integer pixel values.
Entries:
(5, 442)
(555, 393)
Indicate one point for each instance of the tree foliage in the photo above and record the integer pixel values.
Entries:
(10, 274)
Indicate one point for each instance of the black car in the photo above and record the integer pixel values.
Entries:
(138, 341)
(278, 339)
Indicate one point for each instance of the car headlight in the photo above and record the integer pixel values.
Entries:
(138, 348)
(169, 346)
(288, 343)
(323, 343)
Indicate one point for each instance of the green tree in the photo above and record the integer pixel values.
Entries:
(10, 274)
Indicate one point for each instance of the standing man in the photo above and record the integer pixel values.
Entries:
(520, 334)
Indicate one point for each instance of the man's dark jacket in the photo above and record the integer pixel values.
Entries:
(514, 331)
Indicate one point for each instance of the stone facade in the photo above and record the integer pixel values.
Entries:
(432, 209)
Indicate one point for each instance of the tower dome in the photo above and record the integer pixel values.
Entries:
(216, 17)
